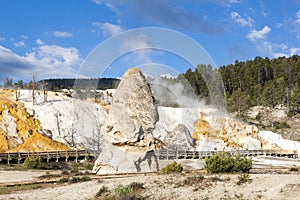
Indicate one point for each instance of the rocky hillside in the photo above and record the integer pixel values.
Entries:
(20, 131)
(275, 119)
(129, 118)
(135, 126)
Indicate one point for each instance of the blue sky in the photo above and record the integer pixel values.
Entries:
(51, 38)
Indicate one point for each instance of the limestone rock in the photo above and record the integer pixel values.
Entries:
(180, 137)
(19, 131)
(113, 159)
(202, 127)
(133, 112)
(210, 130)
(128, 141)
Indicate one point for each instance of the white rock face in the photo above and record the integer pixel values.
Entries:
(113, 159)
(129, 143)
(74, 122)
(169, 118)
(133, 112)
(180, 137)
(277, 140)
(9, 126)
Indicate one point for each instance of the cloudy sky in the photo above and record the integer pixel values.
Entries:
(51, 38)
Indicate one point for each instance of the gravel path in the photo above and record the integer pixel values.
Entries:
(262, 186)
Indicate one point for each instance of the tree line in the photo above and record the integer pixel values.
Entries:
(262, 81)
(64, 83)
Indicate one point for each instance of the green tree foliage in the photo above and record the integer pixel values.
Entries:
(94, 83)
(222, 162)
(19, 84)
(33, 162)
(254, 82)
(173, 167)
(8, 83)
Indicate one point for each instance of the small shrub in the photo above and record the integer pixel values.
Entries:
(75, 179)
(63, 180)
(75, 167)
(49, 176)
(294, 169)
(192, 180)
(33, 162)
(243, 178)
(136, 186)
(85, 178)
(215, 179)
(65, 172)
(173, 167)
(281, 125)
(102, 191)
(242, 164)
(122, 190)
(258, 116)
(130, 191)
(90, 166)
(223, 163)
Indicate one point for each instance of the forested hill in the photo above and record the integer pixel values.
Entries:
(100, 83)
(262, 81)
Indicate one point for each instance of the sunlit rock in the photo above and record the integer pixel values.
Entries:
(129, 142)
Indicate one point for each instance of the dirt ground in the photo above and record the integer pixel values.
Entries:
(272, 185)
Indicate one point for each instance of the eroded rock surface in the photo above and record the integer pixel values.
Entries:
(180, 137)
(129, 142)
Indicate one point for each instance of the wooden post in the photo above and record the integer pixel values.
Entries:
(48, 156)
(167, 154)
(19, 158)
(86, 155)
(76, 156)
(57, 156)
(8, 158)
(67, 156)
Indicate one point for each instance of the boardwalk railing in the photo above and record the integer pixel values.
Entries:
(167, 154)
(162, 154)
(47, 155)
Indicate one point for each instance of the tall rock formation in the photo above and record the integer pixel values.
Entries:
(129, 142)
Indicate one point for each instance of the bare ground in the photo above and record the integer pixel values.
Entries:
(272, 185)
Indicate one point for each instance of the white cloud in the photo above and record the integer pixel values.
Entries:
(2, 39)
(45, 61)
(226, 2)
(278, 25)
(19, 44)
(236, 17)
(294, 24)
(140, 49)
(107, 4)
(137, 42)
(62, 34)
(259, 34)
(273, 50)
(295, 51)
(108, 29)
(39, 41)
(54, 55)
(297, 20)
(24, 37)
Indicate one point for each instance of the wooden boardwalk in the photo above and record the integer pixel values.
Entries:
(48, 156)
(162, 154)
(166, 154)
